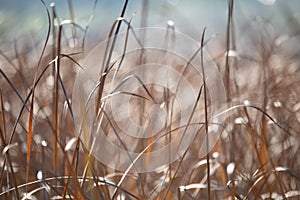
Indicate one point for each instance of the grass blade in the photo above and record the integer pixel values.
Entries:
(29, 138)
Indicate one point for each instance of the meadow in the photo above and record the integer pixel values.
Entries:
(216, 117)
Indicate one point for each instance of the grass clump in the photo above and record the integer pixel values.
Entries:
(44, 155)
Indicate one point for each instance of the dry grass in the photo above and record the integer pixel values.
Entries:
(256, 156)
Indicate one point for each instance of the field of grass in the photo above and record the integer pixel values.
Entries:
(52, 128)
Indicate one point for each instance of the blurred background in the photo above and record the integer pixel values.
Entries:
(18, 17)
